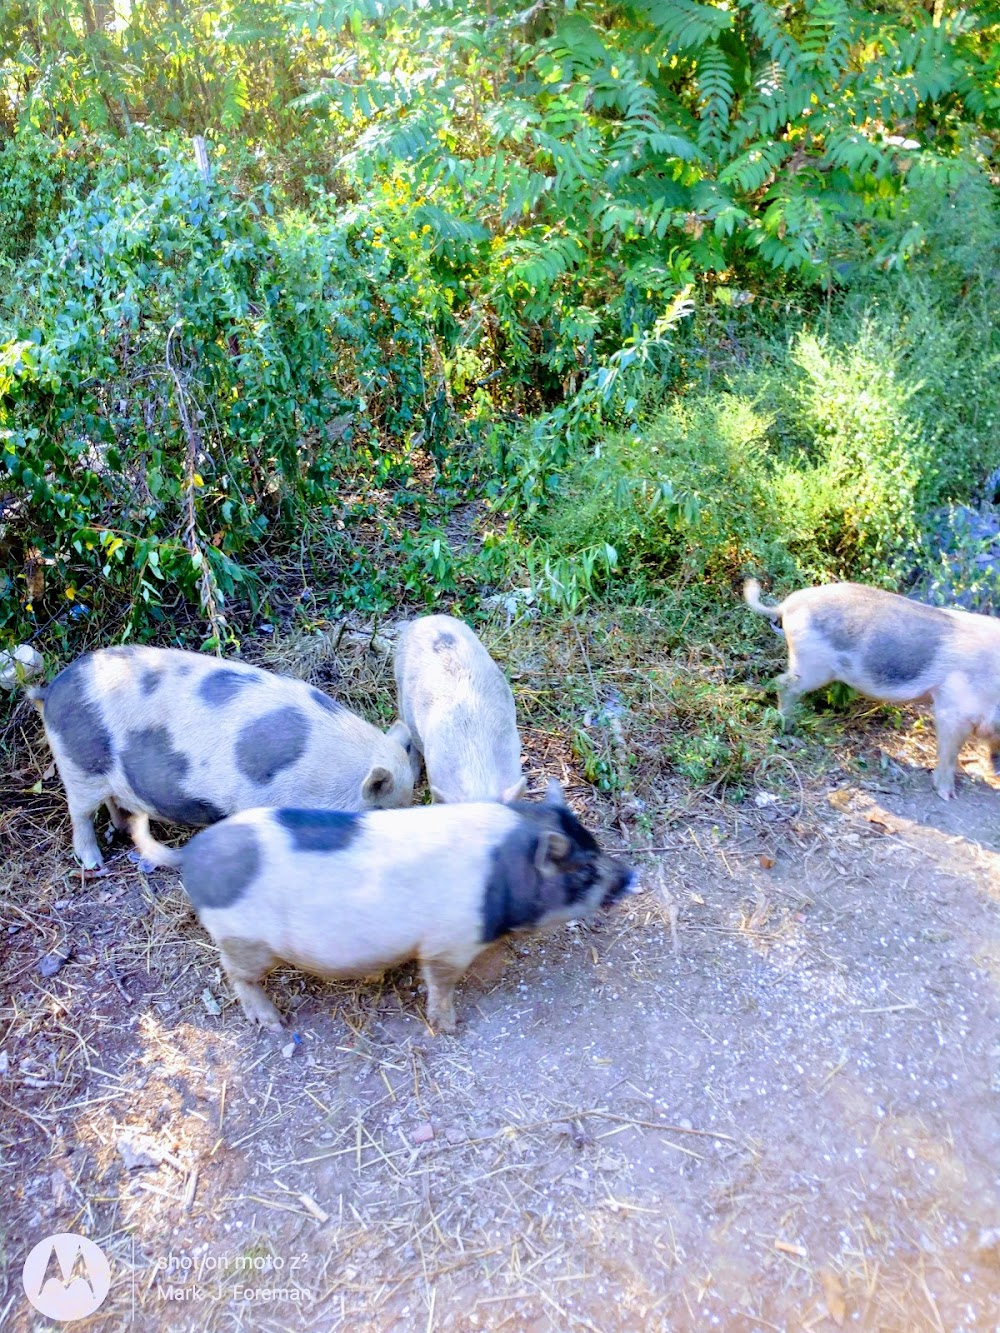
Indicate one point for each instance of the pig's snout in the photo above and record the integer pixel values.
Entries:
(620, 881)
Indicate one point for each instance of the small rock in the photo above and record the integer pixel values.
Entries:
(4, 1062)
(139, 1151)
(455, 1134)
(50, 964)
(423, 1133)
(289, 1050)
(20, 665)
(211, 1004)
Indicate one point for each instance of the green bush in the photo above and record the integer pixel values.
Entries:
(182, 373)
(689, 496)
(846, 495)
(808, 443)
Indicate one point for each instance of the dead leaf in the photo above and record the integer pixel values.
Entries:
(882, 821)
(87, 873)
(833, 1295)
(841, 798)
(766, 862)
(34, 574)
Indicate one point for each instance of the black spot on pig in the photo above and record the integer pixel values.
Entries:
(76, 721)
(223, 685)
(842, 628)
(220, 864)
(904, 644)
(149, 682)
(156, 773)
(512, 900)
(561, 818)
(270, 743)
(320, 830)
(443, 641)
(324, 701)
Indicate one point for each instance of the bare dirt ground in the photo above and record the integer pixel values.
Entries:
(764, 1094)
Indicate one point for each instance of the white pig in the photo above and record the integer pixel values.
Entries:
(459, 710)
(189, 739)
(898, 650)
(346, 895)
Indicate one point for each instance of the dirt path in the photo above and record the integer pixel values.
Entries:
(785, 1113)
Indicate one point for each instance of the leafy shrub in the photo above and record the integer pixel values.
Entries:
(169, 380)
(847, 495)
(689, 496)
(816, 456)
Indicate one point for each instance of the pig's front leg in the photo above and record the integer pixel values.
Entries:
(440, 978)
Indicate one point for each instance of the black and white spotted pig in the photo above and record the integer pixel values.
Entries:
(190, 739)
(460, 712)
(346, 895)
(898, 650)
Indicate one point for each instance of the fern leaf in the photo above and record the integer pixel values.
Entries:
(685, 24)
(715, 84)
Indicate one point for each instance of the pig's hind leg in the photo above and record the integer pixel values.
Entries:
(82, 804)
(246, 962)
(809, 668)
(119, 817)
(954, 726)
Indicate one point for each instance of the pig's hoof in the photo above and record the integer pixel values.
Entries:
(260, 1010)
(946, 790)
(443, 1022)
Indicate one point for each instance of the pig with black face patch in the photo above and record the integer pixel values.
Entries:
(345, 895)
(190, 739)
(897, 650)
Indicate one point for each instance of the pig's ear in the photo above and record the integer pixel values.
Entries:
(553, 848)
(400, 733)
(516, 792)
(554, 794)
(378, 785)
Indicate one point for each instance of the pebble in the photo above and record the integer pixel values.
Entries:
(51, 962)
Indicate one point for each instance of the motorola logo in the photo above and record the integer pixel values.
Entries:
(66, 1277)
